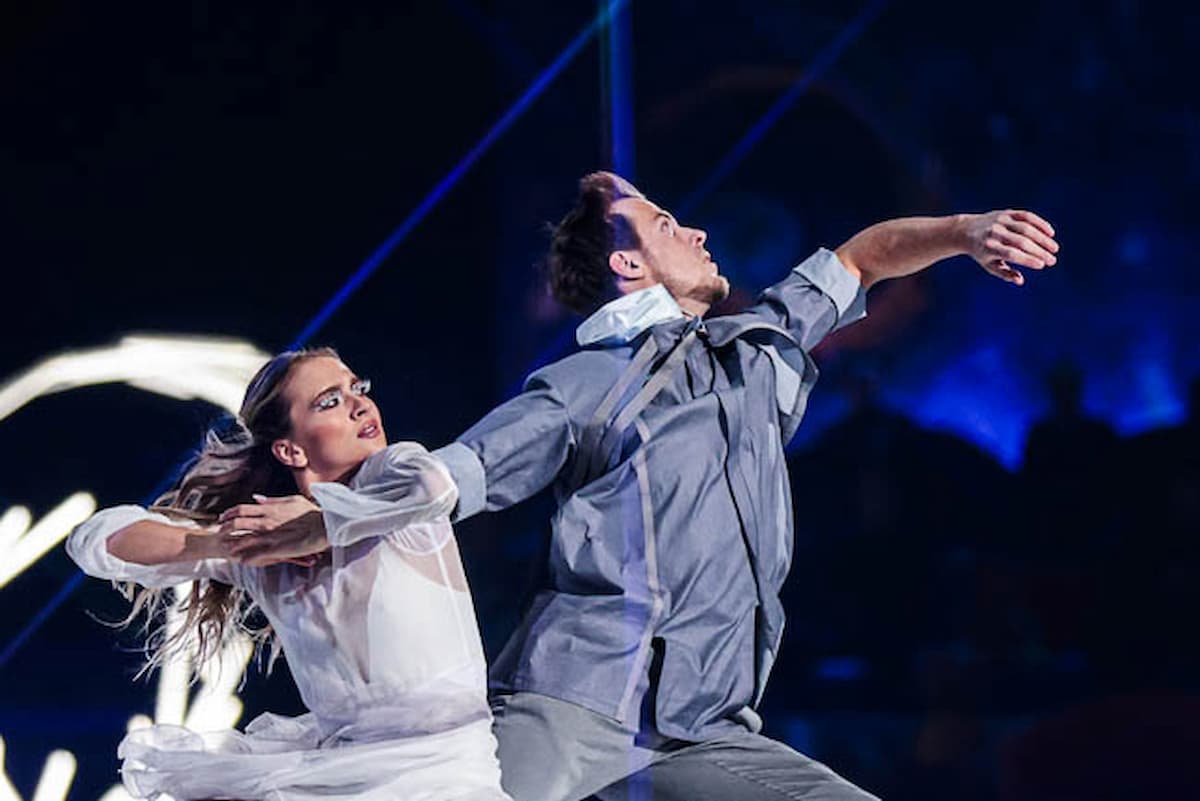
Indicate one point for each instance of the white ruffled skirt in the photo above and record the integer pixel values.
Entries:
(279, 759)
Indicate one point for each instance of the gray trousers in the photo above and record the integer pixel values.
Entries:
(551, 750)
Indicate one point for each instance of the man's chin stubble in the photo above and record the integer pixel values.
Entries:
(718, 291)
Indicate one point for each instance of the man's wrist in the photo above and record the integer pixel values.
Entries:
(847, 259)
(200, 545)
(314, 523)
(959, 232)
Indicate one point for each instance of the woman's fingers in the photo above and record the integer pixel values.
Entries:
(267, 500)
(245, 524)
(243, 510)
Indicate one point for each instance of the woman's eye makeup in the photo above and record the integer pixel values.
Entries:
(328, 401)
(333, 397)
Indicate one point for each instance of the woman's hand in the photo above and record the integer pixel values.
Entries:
(272, 530)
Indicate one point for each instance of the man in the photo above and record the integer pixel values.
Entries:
(640, 661)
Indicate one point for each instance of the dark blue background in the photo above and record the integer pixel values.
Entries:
(962, 624)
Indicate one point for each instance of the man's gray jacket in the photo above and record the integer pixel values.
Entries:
(663, 439)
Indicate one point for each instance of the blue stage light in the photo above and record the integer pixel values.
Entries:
(368, 268)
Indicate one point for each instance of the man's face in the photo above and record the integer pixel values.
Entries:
(673, 255)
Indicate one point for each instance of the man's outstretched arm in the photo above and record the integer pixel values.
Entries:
(514, 452)
(999, 241)
(827, 290)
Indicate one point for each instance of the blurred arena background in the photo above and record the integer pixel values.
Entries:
(994, 592)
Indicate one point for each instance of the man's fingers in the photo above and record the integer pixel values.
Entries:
(1033, 219)
(1037, 235)
(235, 546)
(1027, 246)
(249, 539)
(263, 556)
(998, 250)
(1000, 269)
(279, 543)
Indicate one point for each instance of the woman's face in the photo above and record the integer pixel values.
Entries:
(335, 426)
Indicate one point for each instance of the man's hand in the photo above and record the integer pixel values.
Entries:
(999, 239)
(274, 530)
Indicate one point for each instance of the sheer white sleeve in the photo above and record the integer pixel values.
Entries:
(403, 492)
(88, 546)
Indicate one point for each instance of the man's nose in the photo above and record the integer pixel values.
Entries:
(700, 236)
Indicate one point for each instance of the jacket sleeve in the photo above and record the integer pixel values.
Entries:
(515, 451)
(817, 297)
(403, 492)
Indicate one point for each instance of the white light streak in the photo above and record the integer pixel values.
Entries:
(213, 370)
(185, 368)
(216, 705)
(56, 778)
(20, 548)
(118, 793)
(7, 791)
(13, 524)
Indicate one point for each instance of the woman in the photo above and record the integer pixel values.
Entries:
(379, 630)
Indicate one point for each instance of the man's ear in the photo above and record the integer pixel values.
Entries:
(289, 453)
(622, 263)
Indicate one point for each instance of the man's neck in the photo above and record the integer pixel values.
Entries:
(689, 306)
(692, 308)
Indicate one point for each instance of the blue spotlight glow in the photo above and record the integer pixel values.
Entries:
(41, 617)
(619, 91)
(820, 64)
(979, 397)
(377, 258)
(368, 268)
(841, 668)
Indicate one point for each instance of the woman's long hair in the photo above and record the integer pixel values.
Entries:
(234, 464)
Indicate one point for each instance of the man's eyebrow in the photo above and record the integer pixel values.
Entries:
(668, 215)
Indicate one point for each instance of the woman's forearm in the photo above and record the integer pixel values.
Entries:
(148, 542)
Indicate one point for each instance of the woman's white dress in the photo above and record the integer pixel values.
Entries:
(381, 639)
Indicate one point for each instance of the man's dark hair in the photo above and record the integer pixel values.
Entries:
(581, 243)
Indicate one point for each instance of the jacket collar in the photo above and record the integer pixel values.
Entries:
(623, 320)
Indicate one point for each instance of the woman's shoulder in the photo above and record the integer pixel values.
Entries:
(404, 456)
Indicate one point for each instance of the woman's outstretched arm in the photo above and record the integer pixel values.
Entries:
(129, 543)
(149, 542)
